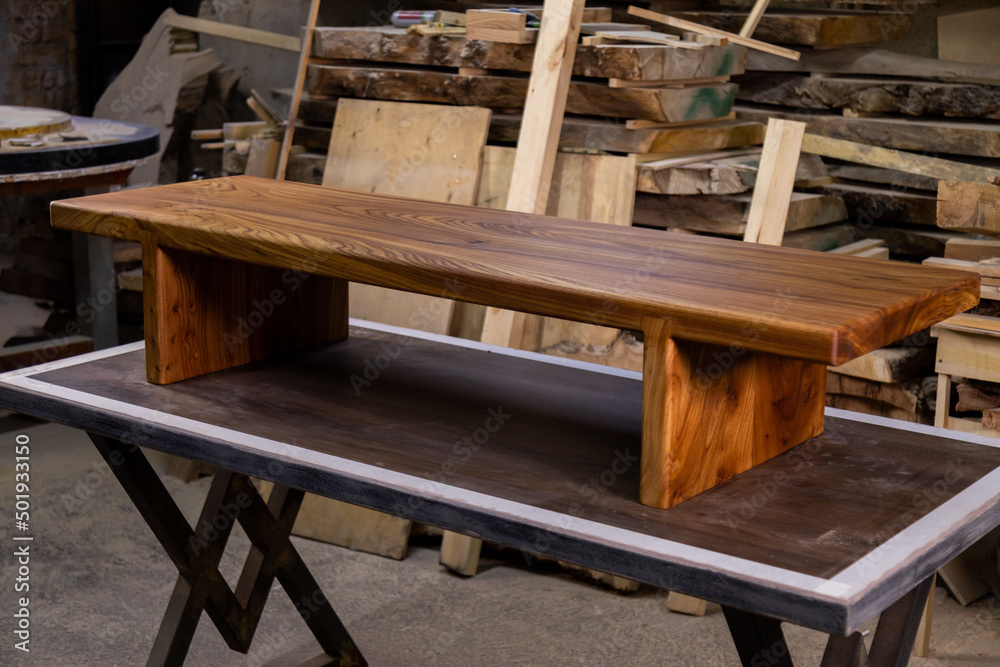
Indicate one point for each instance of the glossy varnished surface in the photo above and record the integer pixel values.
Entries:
(795, 303)
(569, 443)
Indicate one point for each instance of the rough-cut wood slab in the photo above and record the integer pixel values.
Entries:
(960, 137)
(721, 173)
(877, 62)
(872, 204)
(913, 98)
(891, 364)
(910, 241)
(426, 246)
(820, 31)
(902, 396)
(632, 62)
(727, 214)
(668, 105)
(877, 175)
(608, 135)
(969, 207)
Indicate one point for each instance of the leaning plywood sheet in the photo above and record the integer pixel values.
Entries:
(633, 62)
(414, 150)
(694, 102)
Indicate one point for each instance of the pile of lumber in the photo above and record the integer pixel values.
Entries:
(860, 93)
(639, 89)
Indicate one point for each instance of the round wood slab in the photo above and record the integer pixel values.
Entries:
(21, 121)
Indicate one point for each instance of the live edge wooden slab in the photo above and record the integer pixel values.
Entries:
(737, 336)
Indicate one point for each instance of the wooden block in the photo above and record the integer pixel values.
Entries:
(991, 419)
(411, 150)
(972, 250)
(205, 314)
(265, 151)
(975, 396)
(711, 412)
(775, 180)
(970, 207)
(685, 604)
(891, 364)
(495, 19)
(460, 553)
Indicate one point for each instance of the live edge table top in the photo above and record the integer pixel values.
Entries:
(542, 454)
(792, 303)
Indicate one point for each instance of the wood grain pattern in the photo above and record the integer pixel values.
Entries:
(710, 289)
(712, 412)
(205, 314)
(820, 31)
(506, 92)
(632, 62)
(969, 207)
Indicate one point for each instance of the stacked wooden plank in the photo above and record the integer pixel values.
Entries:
(877, 97)
(666, 99)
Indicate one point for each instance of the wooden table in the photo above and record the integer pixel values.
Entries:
(840, 528)
(737, 336)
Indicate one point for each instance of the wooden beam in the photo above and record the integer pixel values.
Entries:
(969, 207)
(775, 181)
(681, 24)
(236, 32)
(300, 80)
(887, 158)
(538, 139)
(756, 13)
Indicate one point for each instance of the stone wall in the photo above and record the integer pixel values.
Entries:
(38, 54)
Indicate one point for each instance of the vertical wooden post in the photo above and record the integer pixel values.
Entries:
(775, 180)
(300, 80)
(753, 19)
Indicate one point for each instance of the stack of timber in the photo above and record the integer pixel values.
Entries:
(845, 87)
(637, 91)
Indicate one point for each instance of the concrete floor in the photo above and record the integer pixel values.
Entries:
(100, 582)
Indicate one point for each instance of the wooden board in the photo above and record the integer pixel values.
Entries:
(972, 250)
(908, 97)
(969, 207)
(727, 214)
(595, 188)
(962, 36)
(632, 62)
(873, 204)
(236, 32)
(591, 134)
(20, 121)
(412, 150)
(669, 105)
(960, 137)
(901, 396)
(820, 31)
(541, 265)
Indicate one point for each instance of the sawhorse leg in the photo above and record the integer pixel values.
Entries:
(196, 553)
(759, 639)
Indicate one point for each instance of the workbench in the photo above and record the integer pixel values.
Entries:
(843, 527)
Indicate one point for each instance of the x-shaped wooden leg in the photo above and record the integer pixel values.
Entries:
(196, 553)
(760, 641)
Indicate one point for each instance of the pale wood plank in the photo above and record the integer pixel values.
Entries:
(775, 181)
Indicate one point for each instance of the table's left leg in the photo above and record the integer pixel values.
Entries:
(196, 553)
(759, 639)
